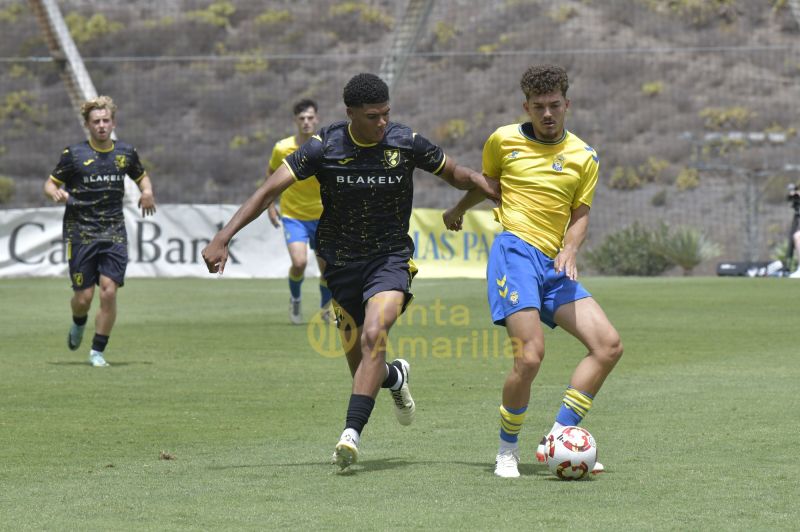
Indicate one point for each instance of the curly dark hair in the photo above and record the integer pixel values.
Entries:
(304, 104)
(365, 88)
(544, 79)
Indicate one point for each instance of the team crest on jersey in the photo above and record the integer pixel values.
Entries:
(77, 278)
(514, 297)
(120, 161)
(558, 163)
(391, 157)
(513, 154)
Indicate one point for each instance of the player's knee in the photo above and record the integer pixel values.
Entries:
(299, 265)
(612, 350)
(374, 338)
(528, 360)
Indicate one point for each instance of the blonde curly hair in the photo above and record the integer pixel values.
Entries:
(101, 102)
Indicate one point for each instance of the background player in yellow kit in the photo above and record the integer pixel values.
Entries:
(300, 209)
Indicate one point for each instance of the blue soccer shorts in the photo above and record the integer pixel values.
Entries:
(300, 231)
(519, 276)
(88, 261)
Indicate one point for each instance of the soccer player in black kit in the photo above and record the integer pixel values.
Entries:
(90, 180)
(364, 167)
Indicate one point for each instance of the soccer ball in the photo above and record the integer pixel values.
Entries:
(571, 453)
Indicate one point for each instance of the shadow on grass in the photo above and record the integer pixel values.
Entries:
(388, 464)
(110, 364)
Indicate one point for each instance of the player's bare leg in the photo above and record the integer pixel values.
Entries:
(80, 303)
(586, 321)
(527, 340)
(298, 253)
(367, 361)
(104, 321)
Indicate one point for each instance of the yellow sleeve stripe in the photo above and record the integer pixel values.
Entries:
(290, 169)
(444, 160)
(56, 180)
(140, 177)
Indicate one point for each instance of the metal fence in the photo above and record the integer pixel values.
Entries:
(659, 92)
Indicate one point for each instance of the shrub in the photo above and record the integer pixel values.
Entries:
(650, 171)
(717, 118)
(688, 179)
(659, 199)
(85, 29)
(274, 16)
(631, 251)
(654, 88)
(687, 247)
(217, 14)
(444, 33)
(6, 189)
(623, 178)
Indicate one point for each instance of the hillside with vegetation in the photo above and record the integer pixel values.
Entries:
(688, 102)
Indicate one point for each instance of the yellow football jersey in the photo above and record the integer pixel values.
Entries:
(300, 201)
(541, 183)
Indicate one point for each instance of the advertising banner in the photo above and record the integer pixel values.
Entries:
(169, 243)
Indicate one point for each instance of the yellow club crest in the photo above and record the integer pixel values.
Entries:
(120, 161)
(77, 279)
(392, 158)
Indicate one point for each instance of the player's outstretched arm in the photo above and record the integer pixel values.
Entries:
(215, 254)
(465, 178)
(454, 216)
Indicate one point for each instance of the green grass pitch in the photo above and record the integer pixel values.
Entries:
(698, 426)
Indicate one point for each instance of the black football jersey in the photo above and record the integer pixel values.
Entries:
(95, 182)
(366, 190)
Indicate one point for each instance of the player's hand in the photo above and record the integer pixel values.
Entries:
(215, 255)
(60, 196)
(453, 219)
(147, 203)
(566, 261)
(274, 216)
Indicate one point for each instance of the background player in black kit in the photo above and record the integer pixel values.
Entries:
(90, 180)
(364, 167)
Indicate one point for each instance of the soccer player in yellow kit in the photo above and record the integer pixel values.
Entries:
(300, 209)
(547, 180)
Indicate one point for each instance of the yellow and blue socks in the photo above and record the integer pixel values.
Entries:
(295, 284)
(511, 420)
(574, 407)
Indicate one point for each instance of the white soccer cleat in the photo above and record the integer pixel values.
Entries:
(598, 468)
(295, 311)
(96, 359)
(404, 406)
(346, 452)
(505, 465)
